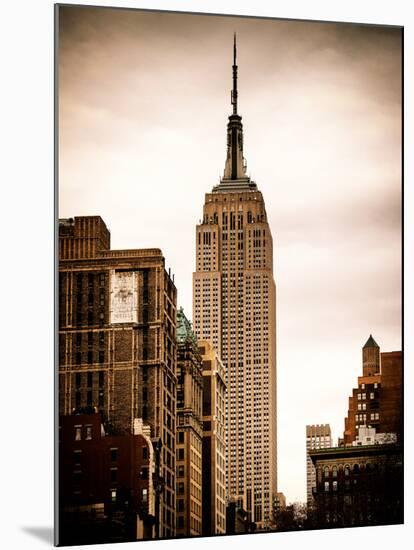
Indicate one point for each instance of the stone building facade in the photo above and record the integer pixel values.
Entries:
(358, 485)
(377, 401)
(189, 430)
(317, 437)
(117, 342)
(214, 441)
(234, 308)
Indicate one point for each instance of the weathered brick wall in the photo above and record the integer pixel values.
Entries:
(123, 345)
(122, 399)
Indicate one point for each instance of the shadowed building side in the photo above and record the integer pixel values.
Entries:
(214, 441)
(189, 430)
(106, 482)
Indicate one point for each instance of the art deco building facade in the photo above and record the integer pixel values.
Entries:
(234, 308)
(317, 437)
(117, 342)
(377, 401)
(214, 441)
(189, 430)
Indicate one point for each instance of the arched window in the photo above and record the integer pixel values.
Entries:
(335, 472)
(356, 469)
(326, 472)
(346, 470)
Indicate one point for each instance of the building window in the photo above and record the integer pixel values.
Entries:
(144, 496)
(334, 485)
(326, 472)
(88, 432)
(372, 395)
(78, 433)
(114, 474)
(326, 486)
(114, 455)
(113, 495)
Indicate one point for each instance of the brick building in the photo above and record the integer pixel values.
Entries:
(189, 430)
(377, 401)
(361, 481)
(117, 341)
(214, 441)
(106, 482)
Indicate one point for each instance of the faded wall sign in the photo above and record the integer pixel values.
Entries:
(124, 297)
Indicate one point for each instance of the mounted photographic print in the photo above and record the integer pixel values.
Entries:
(229, 333)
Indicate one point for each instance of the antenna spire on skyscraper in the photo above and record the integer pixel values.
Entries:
(234, 90)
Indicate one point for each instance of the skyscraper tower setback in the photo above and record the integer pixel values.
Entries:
(234, 308)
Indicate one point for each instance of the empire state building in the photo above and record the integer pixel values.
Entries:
(234, 308)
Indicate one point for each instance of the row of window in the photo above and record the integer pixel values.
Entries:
(363, 396)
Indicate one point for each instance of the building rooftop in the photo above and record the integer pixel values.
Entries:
(185, 332)
(358, 450)
(371, 343)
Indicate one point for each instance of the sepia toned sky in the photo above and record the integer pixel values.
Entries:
(143, 105)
